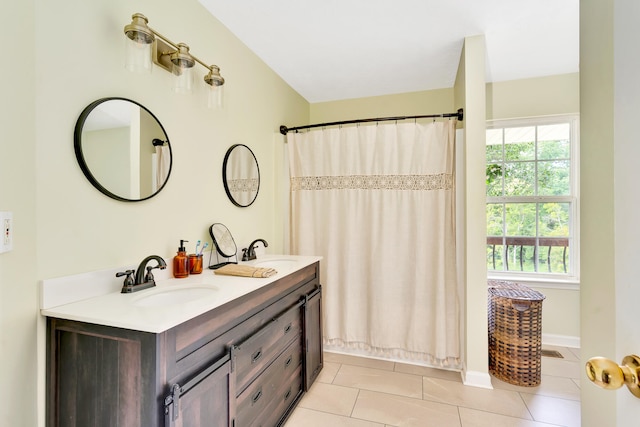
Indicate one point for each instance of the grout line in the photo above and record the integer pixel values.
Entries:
(336, 375)
(355, 402)
(459, 416)
(526, 406)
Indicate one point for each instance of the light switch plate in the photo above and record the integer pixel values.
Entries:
(6, 224)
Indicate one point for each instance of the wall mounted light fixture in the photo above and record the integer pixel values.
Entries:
(145, 45)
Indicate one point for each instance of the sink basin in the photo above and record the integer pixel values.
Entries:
(276, 264)
(173, 296)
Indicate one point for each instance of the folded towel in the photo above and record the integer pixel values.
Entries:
(245, 271)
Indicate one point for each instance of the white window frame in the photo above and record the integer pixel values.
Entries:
(573, 275)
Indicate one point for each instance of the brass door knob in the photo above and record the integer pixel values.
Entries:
(609, 375)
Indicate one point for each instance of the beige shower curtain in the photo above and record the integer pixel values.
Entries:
(377, 202)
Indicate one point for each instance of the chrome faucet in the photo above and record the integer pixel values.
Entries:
(249, 253)
(142, 280)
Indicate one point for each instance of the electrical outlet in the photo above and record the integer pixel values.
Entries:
(6, 221)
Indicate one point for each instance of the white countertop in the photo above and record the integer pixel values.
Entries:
(177, 300)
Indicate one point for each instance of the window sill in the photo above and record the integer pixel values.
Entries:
(569, 283)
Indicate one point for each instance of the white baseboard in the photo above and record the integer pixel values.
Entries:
(477, 379)
(561, 340)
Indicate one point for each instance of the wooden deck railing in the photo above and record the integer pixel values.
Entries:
(548, 242)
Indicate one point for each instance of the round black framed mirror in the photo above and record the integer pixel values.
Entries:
(241, 175)
(122, 149)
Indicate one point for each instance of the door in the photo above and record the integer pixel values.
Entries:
(312, 336)
(610, 201)
(204, 400)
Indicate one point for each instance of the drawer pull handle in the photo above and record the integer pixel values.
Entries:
(256, 396)
(256, 356)
(287, 328)
(288, 362)
(287, 394)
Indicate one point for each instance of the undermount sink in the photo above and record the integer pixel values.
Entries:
(166, 297)
(276, 264)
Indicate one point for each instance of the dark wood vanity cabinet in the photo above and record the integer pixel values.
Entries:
(245, 363)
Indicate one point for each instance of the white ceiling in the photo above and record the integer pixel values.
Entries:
(341, 49)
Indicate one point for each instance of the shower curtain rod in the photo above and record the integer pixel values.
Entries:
(458, 114)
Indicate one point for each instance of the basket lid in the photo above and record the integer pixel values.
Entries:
(514, 291)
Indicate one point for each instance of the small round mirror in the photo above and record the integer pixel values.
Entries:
(122, 149)
(241, 175)
(223, 240)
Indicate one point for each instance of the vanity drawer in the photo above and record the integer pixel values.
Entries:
(271, 388)
(252, 355)
(280, 406)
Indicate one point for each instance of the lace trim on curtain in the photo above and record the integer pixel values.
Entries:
(246, 185)
(442, 181)
(396, 353)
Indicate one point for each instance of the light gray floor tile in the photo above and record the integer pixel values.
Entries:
(564, 388)
(575, 351)
(428, 372)
(303, 417)
(562, 368)
(404, 411)
(379, 380)
(358, 361)
(553, 411)
(328, 372)
(503, 402)
(475, 418)
(330, 398)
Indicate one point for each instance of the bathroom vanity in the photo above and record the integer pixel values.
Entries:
(212, 351)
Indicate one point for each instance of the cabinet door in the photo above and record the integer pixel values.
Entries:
(312, 336)
(204, 400)
(100, 376)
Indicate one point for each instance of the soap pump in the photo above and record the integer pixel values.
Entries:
(181, 262)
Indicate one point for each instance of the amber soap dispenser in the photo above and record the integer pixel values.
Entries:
(181, 262)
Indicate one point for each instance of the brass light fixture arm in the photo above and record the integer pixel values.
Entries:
(163, 49)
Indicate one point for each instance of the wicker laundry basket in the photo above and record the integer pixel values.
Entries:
(515, 330)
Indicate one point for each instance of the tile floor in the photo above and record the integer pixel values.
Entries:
(359, 392)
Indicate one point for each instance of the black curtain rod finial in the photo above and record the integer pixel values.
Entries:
(283, 130)
(157, 142)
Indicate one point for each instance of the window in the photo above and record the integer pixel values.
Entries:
(532, 197)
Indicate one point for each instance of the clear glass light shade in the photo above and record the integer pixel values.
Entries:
(183, 81)
(216, 97)
(138, 56)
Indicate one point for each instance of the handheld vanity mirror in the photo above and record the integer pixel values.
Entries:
(224, 243)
